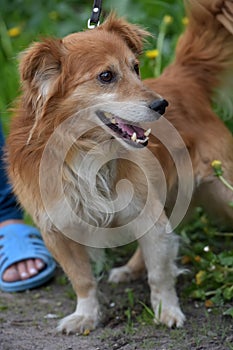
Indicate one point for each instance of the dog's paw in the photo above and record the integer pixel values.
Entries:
(170, 316)
(77, 324)
(120, 274)
(85, 317)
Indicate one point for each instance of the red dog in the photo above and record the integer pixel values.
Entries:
(76, 135)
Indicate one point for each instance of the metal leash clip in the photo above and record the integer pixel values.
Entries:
(94, 22)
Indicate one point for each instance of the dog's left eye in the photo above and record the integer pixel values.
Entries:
(107, 77)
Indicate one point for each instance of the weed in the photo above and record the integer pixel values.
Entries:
(229, 312)
(62, 280)
(148, 344)
(70, 293)
(147, 315)
(3, 307)
(129, 312)
(212, 265)
(230, 346)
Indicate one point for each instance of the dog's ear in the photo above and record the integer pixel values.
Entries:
(133, 35)
(41, 63)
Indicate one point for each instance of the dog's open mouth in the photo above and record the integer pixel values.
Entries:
(132, 134)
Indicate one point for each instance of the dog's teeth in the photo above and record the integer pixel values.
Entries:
(113, 121)
(142, 141)
(147, 132)
(134, 137)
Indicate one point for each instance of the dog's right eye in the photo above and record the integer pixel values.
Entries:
(106, 77)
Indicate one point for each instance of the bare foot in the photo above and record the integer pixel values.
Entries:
(23, 269)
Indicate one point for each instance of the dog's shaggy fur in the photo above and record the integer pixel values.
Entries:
(70, 149)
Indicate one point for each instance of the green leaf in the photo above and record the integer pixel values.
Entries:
(3, 307)
(218, 299)
(229, 312)
(228, 293)
(198, 294)
(218, 276)
(148, 310)
(130, 294)
(226, 258)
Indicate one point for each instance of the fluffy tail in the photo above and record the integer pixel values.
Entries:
(206, 47)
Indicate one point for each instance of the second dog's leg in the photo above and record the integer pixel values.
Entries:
(75, 262)
(159, 250)
(133, 270)
(215, 198)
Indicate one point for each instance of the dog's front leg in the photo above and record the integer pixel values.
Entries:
(159, 249)
(74, 259)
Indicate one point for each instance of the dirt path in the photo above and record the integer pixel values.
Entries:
(28, 321)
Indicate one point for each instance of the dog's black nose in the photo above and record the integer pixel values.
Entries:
(159, 105)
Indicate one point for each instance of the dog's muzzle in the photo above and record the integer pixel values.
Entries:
(133, 134)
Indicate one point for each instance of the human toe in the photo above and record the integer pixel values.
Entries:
(11, 274)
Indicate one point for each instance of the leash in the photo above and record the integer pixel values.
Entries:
(94, 20)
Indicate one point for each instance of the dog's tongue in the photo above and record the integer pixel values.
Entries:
(130, 129)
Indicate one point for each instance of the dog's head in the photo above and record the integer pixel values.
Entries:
(97, 72)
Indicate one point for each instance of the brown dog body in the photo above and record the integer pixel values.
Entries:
(68, 161)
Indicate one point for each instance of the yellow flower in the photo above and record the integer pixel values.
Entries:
(197, 258)
(185, 259)
(216, 163)
(13, 32)
(152, 53)
(167, 19)
(53, 15)
(217, 166)
(200, 277)
(209, 303)
(185, 21)
(86, 332)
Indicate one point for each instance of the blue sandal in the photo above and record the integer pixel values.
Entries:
(21, 242)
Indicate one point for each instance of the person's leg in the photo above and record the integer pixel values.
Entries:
(8, 204)
(11, 213)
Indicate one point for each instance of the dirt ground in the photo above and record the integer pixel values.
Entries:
(28, 321)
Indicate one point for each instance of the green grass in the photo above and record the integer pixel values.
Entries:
(209, 255)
